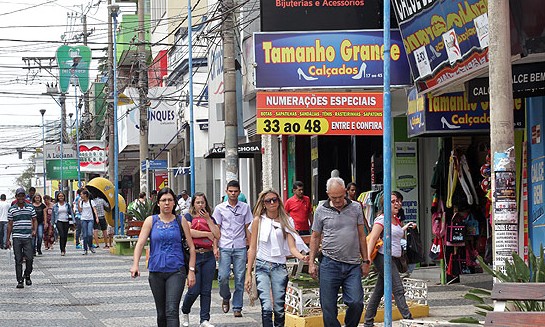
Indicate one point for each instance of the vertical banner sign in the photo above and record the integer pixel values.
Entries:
(524, 201)
(505, 209)
(161, 180)
(406, 172)
(444, 40)
(74, 63)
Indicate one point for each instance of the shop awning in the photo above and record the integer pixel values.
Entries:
(245, 150)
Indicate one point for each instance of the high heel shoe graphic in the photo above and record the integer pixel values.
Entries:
(361, 73)
(302, 74)
(445, 122)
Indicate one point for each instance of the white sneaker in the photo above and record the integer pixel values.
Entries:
(185, 319)
(206, 324)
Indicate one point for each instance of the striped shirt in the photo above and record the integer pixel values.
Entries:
(22, 220)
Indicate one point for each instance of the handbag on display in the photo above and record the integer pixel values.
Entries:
(436, 250)
(456, 230)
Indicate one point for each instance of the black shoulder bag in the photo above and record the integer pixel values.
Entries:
(185, 247)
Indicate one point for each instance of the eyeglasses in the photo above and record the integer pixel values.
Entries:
(166, 200)
(271, 200)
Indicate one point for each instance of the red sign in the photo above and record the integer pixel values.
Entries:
(161, 180)
(307, 113)
(158, 69)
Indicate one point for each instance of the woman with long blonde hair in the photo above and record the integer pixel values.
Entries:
(273, 239)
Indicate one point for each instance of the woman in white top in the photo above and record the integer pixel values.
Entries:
(273, 238)
(62, 214)
(86, 207)
(398, 231)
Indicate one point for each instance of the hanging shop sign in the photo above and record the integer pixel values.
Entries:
(451, 113)
(406, 177)
(74, 63)
(327, 59)
(307, 113)
(245, 150)
(92, 154)
(444, 40)
(320, 15)
(528, 81)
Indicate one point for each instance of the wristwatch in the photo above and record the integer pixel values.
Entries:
(366, 261)
(193, 268)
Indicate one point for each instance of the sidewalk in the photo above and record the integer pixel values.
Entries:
(96, 290)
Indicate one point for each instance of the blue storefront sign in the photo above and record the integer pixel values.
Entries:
(451, 113)
(327, 59)
(445, 39)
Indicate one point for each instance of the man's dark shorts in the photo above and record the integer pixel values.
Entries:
(102, 224)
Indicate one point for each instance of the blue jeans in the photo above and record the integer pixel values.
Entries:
(38, 239)
(78, 229)
(167, 289)
(397, 291)
(237, 257)
(3, 234)
(87, 234)
(22, 247)
(334, 274)
(206, 269)
(271, 277)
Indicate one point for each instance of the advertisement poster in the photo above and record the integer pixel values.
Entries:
(445, 40)
(406, 177)
(307, 113)
(327, 59)
(505, 204)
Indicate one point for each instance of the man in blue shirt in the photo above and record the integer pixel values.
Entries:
(22, 225)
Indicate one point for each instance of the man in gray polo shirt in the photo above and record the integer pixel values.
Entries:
(22, 223)
(338, 223)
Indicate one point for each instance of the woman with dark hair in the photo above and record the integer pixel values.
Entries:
(205, 234)
(62, 214)
(351, 191)
(167, 273)
(39, 207)
(86, 207)
(49, 224)
(398, 231)
(273, 238)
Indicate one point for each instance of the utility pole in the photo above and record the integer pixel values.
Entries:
(111, 118)
(230, 99)
(87, 131)
(143, 95)
(504, 213)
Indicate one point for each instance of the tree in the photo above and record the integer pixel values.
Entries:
(25, 180)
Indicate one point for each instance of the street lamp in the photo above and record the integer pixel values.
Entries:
(114, 10)
(42, 111)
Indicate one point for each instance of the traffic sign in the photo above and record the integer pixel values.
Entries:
(154, 165)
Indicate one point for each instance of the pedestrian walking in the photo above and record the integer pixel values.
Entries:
(22, 227)
(273, 238)
(233, 218)
(39, 207)
(167, 273)
(299, 208)
(101, 205)
(4, 207)
(49, 223)
(87, 209)
(205, 234)
(339, 224)
(77, 218)
(398, 232)
(61, 215)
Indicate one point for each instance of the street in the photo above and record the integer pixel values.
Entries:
(96, 290)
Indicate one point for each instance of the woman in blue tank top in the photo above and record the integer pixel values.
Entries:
(167, 271)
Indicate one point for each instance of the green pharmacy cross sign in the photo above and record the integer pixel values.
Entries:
(74, 63)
